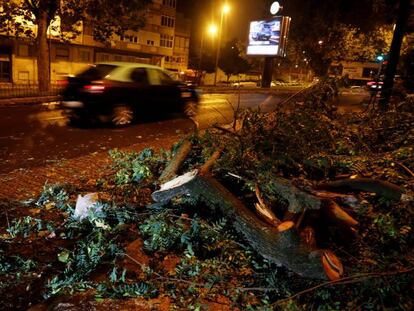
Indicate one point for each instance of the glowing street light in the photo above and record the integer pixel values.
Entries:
(224, 10)
(212, 30)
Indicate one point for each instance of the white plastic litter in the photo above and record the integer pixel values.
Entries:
(86, 203)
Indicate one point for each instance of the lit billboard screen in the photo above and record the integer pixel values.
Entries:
(268, 37)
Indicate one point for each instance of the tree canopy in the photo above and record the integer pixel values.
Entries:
(331, 30)
(232, 60)
(106, 17)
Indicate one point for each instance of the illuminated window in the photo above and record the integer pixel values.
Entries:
(62, 53)
(167, 21)
(127, 38)
(166, 41)
(4, 69)
(85, 56)
(170, 3)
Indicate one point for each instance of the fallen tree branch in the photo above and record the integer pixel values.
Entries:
(383, 188)
(406, 168)
(174, 165)
(347, 280)
(207, 166)
(281, 245)
(342, 198)
(229, 130)
(335, 212)
(264, 211)
(298, 200)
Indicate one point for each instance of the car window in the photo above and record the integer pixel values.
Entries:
(165, 78)
(160, 77)
(97, 72)
(140, 76)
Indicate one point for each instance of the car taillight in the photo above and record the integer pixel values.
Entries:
(96, 87)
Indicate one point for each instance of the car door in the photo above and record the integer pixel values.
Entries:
(139, 92)
(164, 89)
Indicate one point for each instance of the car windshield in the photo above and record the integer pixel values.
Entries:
(97, 72)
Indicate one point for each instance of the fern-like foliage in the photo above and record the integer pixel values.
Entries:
(53, 196)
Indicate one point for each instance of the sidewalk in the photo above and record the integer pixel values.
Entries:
(23, 101)
(23, 184)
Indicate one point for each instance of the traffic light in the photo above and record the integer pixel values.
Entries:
(380, 58)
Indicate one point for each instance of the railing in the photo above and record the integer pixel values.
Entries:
(9, 90)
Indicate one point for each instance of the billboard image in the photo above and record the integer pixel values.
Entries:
(268, 37)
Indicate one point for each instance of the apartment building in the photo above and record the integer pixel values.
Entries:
(164, 41)
(178, 62)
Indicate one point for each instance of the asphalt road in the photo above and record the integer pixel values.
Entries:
(38, 135)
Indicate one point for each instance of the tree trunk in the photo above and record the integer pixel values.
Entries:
(394, 54)
(43, 60)
(174, 165)
(280, 245)
(267, 72)
(382, 188)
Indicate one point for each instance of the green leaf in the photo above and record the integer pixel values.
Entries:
(64, 256)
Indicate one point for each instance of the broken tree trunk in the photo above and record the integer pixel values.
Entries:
(264, 211)
(335, 212)
(206, 168)
(280, 245)
(346, 199)
(174, 165)
(383, 188)
(297, 199)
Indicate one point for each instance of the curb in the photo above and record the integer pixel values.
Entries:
(28, 101)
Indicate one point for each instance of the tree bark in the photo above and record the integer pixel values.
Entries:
(43, 60)
(281, 246)
(267, 72)
(383, 188)
(335, 212)
(174, 165)
(394, 53)
(298, 200)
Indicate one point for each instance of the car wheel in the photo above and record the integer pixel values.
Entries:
(122, 115)
(75, 119)
(190, 108)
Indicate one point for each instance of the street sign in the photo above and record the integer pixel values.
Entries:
(268, 37)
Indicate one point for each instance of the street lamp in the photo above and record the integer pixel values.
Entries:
(224, 10)
(212, 31)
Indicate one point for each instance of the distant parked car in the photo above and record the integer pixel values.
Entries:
(244, 84)
(119, 92)
(374, 85)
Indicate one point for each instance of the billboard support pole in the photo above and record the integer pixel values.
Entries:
(267, 72)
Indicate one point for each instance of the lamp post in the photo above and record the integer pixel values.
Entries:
(224, 10)
(212, 31)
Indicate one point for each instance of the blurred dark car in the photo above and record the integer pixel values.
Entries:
(119, 92)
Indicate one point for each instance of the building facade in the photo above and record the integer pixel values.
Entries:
(163, 41)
